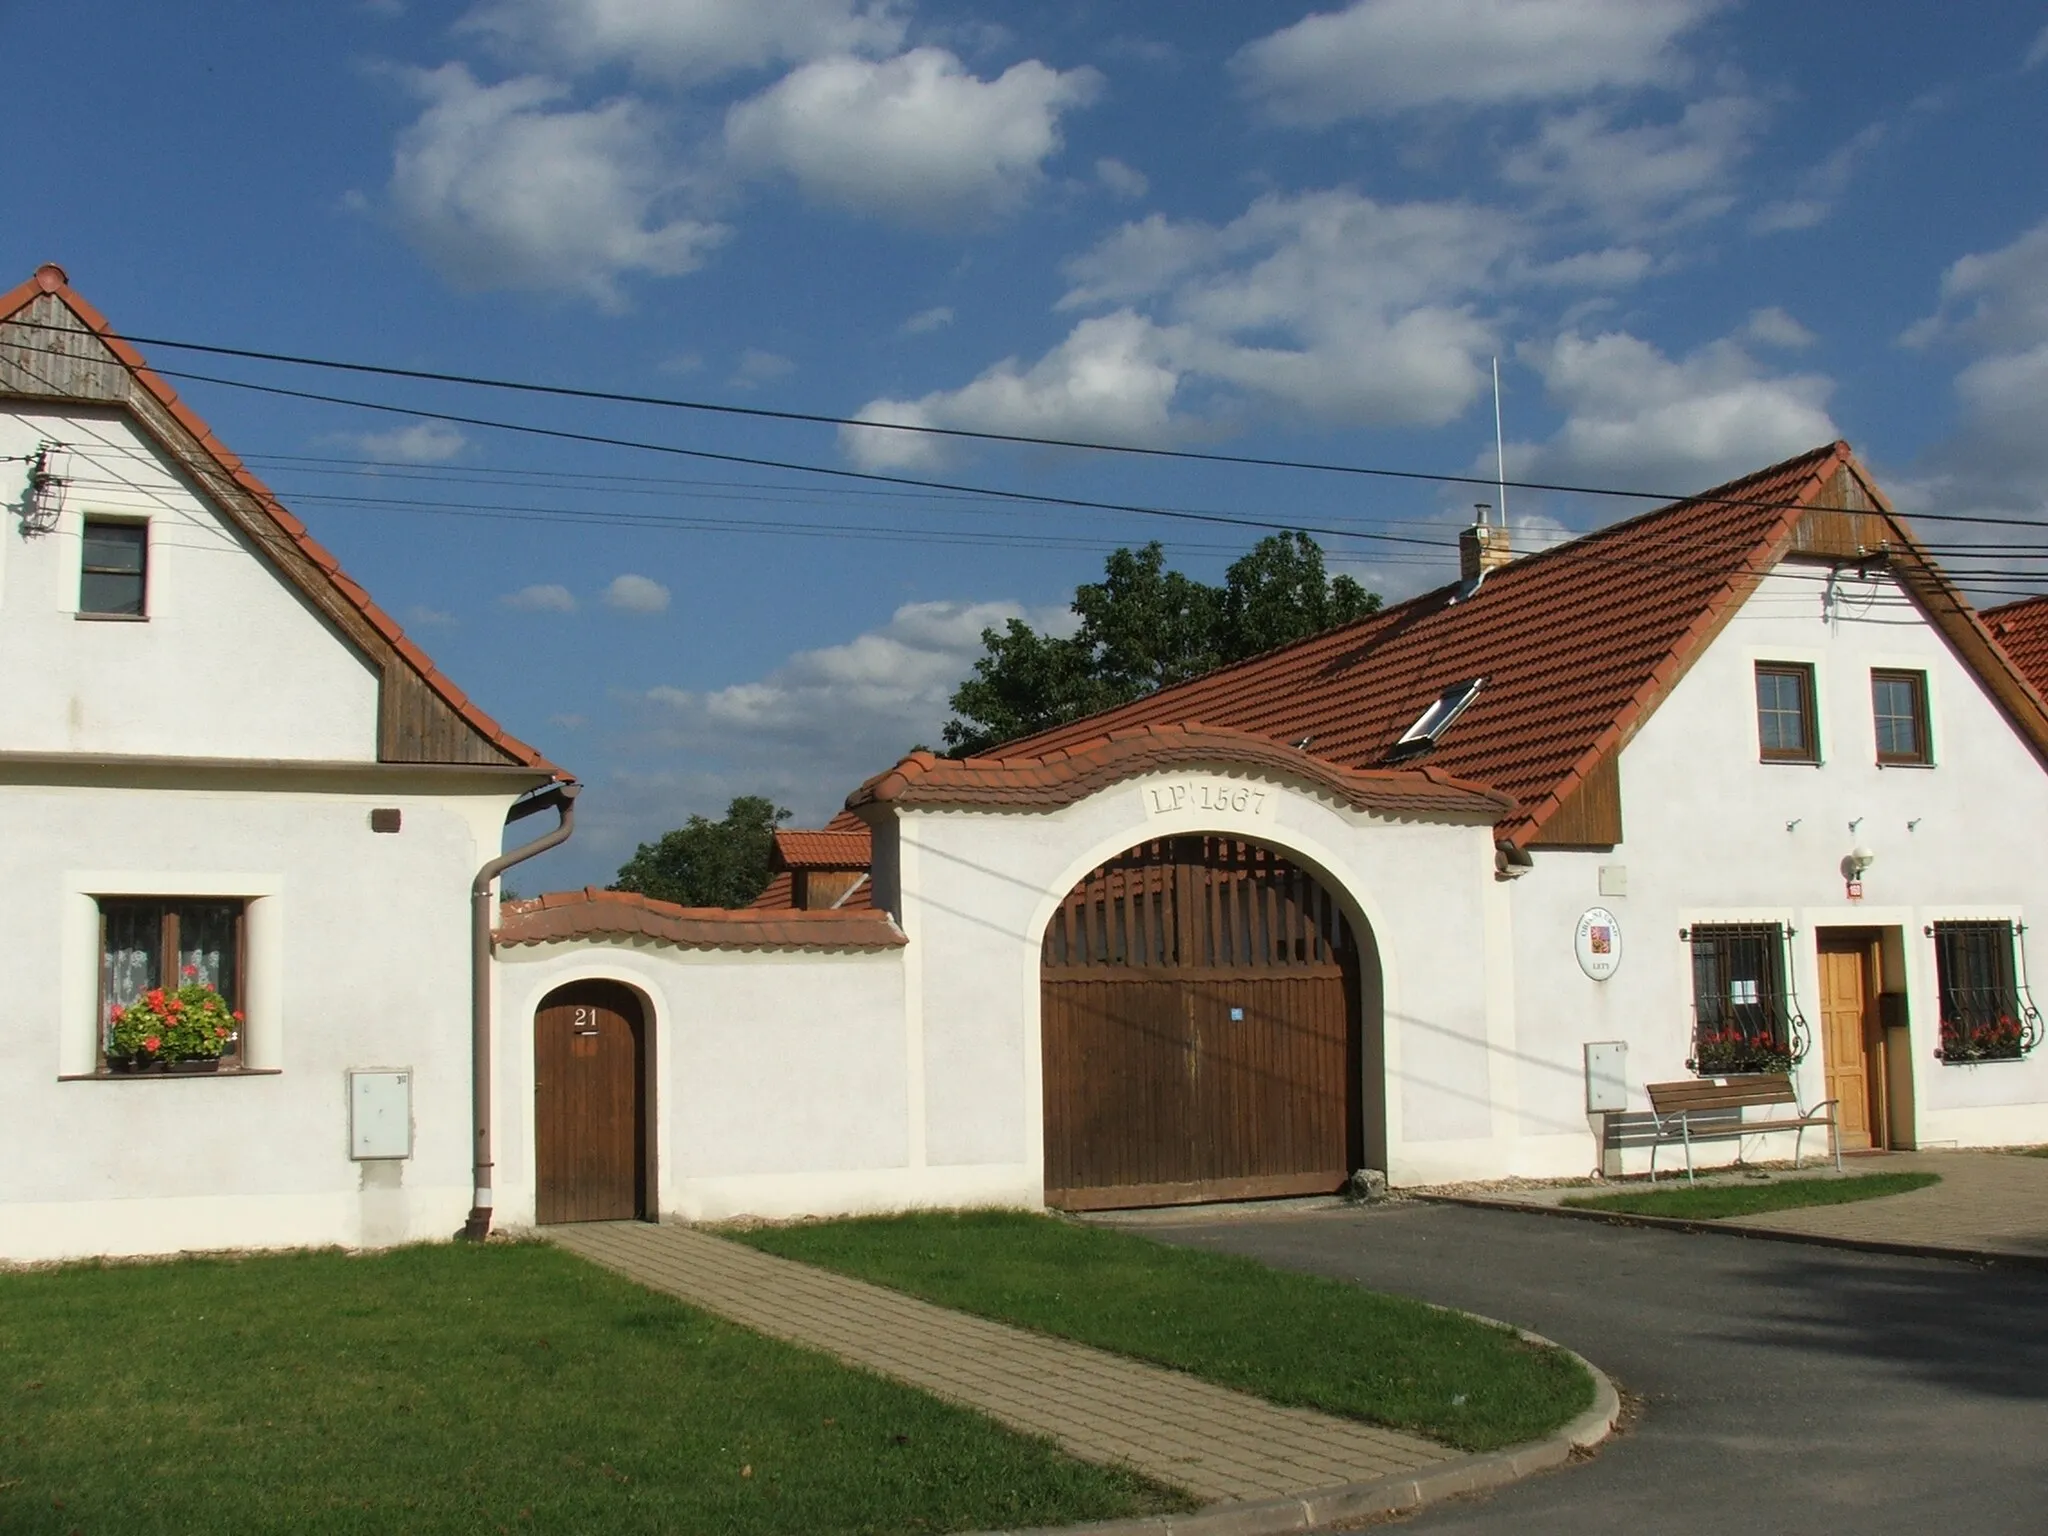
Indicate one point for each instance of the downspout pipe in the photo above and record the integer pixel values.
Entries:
(561, 799)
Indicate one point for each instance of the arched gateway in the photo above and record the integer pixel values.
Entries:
(591, 1087)
(1201, 1025)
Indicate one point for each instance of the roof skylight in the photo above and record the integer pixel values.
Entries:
(1435, 720)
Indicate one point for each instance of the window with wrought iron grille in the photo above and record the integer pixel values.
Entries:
(1745, 1018)
(1986, 1014)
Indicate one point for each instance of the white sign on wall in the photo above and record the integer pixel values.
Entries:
(1201, 792)
(1599, 943)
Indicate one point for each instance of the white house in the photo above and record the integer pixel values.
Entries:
(219, 760)
(1741, 783)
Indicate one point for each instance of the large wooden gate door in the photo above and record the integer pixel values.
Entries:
(1199, 1013)
(590, 1104)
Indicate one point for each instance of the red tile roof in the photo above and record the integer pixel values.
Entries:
(1044, 780)
(2021, 630)
(51, 279)
(823, 850)
(1577, 644)
(590, 913)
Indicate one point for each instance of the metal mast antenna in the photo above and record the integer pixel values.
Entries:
(1500, 450)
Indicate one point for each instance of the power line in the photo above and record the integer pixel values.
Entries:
(814, 418)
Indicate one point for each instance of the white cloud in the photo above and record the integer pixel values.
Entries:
(2038, 54)
(1678, 171)
(1106, 381)
(686, 40)
(917, 138)
(1999, 298)
(1995, 306)
(541, 598)
(1639, 420)
(1813, 199)
(757, 367)
(422, 442)
(1772, 327)
(420, 616)
(1379, 57)
(1325, 305)
(928, 320)
(1123, 180)
(503, 186)
(636, 594)
(812, 728)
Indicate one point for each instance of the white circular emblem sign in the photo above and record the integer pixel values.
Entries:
(1599, 943)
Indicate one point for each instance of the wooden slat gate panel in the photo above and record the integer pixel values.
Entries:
(1199, 1012)
(589, 1104)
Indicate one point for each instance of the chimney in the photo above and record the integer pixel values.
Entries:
(1484, 546)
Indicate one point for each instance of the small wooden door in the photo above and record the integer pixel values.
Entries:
(590, 1104)
(1199, 1013)
(1851, 1038)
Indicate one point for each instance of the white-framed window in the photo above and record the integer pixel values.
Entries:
(113, 569)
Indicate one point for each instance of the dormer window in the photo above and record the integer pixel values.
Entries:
(1438, 718)
(113, 577)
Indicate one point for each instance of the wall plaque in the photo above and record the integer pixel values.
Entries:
(1599, 943)
(1205, 792)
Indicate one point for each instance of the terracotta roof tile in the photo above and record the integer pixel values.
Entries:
(1576, 645)
(2021, 630)
(823, 850)
(51, 279)
(593, 914)
(1028, 781)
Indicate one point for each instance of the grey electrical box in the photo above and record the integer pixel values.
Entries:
(1606, 1077)
(379, 1115)
(1613, 879)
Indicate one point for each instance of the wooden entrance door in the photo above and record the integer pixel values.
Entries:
(1199, 1016)
(590, 1104)
(1850, 1035)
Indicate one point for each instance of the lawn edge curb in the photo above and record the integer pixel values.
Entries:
(1396, 1493)
(1727, 1227)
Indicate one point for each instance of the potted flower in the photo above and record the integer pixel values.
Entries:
(184, 1030)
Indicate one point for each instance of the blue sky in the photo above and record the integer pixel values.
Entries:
(1699, 235)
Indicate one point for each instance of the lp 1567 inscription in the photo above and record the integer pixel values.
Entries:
(1208, 795)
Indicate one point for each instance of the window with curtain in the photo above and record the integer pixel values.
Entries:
(1985, 1014)
(1743, 1016)
(1786, 729)
(164, 942)
(114, 573)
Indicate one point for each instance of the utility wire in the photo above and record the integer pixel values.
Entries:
(814, 418)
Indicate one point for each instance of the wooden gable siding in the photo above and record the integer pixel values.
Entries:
(1590, 816)
(48, 354)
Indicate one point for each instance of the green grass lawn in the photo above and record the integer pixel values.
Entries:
(1709, 1202)
(1295, 1339)
(462, 1389)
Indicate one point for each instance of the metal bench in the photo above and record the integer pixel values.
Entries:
(1711, 1109)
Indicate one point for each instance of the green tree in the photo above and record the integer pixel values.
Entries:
(1143, 627)
(706, 863)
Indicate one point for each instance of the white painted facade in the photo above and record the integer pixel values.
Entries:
(223, 746)
(820, 1084)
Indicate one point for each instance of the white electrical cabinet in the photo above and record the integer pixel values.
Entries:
(379, 1115)
(1606, 1077)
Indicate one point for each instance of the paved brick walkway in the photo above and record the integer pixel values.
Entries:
(1986, 1202)
(1217, 1444)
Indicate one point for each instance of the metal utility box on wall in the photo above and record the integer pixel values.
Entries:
(1606, 1077)
(379, 1115)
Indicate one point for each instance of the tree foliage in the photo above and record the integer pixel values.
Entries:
(1144, 627)
(706, 863)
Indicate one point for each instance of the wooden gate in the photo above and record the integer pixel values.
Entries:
(1199, 1012)
(590, 1104)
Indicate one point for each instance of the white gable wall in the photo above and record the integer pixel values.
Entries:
(1707, 841)
(232, 662)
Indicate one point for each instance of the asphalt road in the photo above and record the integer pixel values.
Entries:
(1784, 1388)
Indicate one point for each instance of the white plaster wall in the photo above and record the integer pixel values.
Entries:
(780, 1076)
(1707, 841)
(358, 958)
(231, 662)
(975, 891)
